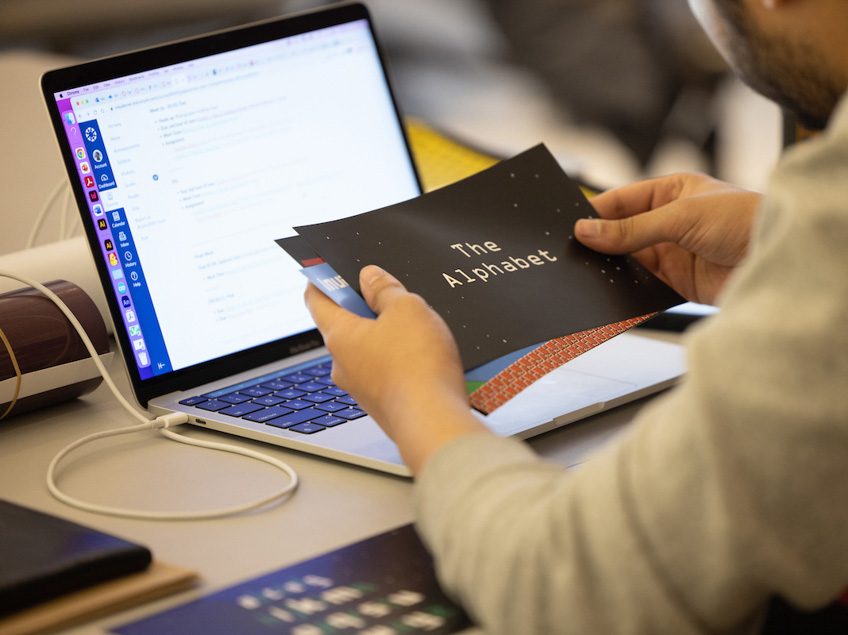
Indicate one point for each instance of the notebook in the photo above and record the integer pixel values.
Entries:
(45, 557)
(187, 160)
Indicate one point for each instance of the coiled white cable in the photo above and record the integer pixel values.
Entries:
(162, 424)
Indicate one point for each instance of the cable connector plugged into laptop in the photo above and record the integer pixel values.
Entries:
(170, 420)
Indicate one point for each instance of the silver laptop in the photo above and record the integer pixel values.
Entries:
(189, 159)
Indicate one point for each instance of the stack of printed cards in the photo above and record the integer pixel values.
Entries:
(495, 256)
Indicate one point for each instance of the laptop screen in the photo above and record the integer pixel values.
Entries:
(191, 170)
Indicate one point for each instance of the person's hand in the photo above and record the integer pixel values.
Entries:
(403, 368)
(689, 230)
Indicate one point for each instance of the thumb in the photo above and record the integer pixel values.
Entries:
(379, 287)
(630, 234)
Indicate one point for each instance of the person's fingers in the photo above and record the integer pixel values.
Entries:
(633, 233)
(639, 197)
(325, 313)
(379, 287)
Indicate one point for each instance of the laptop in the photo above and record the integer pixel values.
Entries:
(187, 160)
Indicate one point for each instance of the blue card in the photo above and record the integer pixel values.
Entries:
(331, 284)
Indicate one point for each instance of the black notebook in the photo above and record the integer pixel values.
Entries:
(43, 557)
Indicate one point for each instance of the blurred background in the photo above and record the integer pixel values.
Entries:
(617, 89)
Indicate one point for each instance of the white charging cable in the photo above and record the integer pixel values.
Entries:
(68, 220)
(61, 186)
(162, 424)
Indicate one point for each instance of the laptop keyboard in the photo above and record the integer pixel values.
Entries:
(305, 400)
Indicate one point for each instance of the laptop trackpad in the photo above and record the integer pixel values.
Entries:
(562, 392)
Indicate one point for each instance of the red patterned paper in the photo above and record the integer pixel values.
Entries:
(542, 360)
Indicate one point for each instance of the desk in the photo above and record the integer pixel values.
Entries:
(335, 505)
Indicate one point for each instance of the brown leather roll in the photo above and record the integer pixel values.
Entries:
(41, 339)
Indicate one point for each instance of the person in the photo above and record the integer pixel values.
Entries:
(728, 491)
(650, 50)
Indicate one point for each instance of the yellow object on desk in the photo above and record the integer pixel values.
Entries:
(442, 160)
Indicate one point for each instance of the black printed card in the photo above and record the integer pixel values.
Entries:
(384, 584)
(494, 255)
